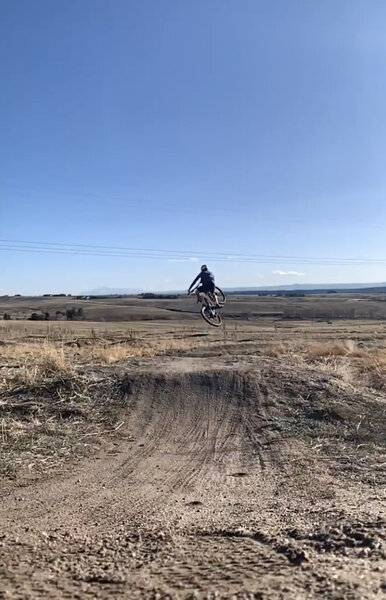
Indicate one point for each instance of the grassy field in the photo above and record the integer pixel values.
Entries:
(327, 307)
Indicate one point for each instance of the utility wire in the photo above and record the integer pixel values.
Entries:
(228, 255)
(173, 255)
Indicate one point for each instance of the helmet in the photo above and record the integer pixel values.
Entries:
(204, 268)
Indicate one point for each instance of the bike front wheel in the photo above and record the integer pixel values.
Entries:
(211, 316)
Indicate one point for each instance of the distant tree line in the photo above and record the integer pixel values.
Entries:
(71, 314)
(151, 296)
(56, 295)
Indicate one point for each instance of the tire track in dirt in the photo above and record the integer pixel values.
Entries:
(202, 424)
(184, 442)
(218, 565)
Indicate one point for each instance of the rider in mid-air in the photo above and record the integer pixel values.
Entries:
(207, 285)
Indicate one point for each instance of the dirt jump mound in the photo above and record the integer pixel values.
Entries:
(226, 483)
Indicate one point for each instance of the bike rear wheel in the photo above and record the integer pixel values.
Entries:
(220, 295)
(211, 316)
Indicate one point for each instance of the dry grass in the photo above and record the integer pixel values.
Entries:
(276, 350)
(345, 348)
(31, 364)
(69, 415)
(344, 360)
(313, 350)
(115, 353)
(339, 369)
(361, 367)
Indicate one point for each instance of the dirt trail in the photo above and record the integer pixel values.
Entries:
(212, 493)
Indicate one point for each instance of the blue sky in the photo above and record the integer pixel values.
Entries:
(254, 127)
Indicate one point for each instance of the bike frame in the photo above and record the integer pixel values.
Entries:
(204, 296)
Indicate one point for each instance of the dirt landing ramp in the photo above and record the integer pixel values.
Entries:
(216, 490)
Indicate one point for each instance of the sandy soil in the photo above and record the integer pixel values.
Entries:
(222, 485)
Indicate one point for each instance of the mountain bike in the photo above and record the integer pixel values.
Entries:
(209, 311)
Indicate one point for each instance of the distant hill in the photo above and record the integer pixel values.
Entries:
(294, 287)
(297, 287)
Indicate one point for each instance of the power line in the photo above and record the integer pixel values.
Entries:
(118, 250)
(227, 255)
(174, 255)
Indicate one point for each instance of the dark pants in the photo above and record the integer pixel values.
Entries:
(206, 288)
